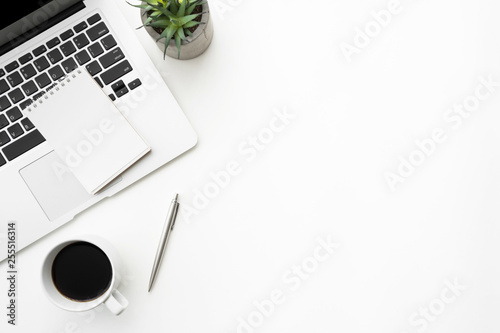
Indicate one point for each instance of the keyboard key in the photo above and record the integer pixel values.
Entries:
(2, 160)
(121, 92)
(68, 48)
(24, 144)
(95, 49)
(42, 80)
(53, 42)
(15, 131)
(27, 124)
(29, 88)
(4, 138)
(67, 34)
(3, 86)
(111, 57)
(3, 121)
(14, 79)
(82, 57)
(108, 42)
(49, 88)
(93, 68)
(4, 103)
(2, 72)
(134, 84)
(56, 72)
(99, 82)
(112, 97)
(116, 72)
(80, 26)
(97, 31)
(10, 67)
(117, 85)
(28, 71)
(81, 40)
(55, 56)
(119, 88)
(25, 58)
(24, 104)
(38, 95)
(41, 64)
(94, 18)
(16, 95)
(39, 50)
(14, 114)
(69, 65)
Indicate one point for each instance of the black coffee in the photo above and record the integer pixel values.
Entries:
(81, 271)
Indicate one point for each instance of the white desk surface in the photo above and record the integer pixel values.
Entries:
(322, 175)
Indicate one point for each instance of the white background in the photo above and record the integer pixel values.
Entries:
(322, 176)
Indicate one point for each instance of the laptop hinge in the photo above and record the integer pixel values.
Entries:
(12, 44)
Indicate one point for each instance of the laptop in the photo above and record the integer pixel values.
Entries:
(41, 41)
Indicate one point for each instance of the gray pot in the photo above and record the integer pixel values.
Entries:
(194, 45)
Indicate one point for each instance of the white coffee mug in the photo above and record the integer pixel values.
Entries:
(112, 298)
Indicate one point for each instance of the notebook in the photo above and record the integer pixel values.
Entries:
(88, 132)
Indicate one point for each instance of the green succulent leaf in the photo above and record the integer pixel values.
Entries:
(162, 23)
(181, 34)
(146, 7)
(185, 19)
(190, 24)
(167, 34)
(146, 23)
(190, 9)
(182, 9)
(151, 2)
(163, 10)
(192, 6)
(178, 44)
(174, 7)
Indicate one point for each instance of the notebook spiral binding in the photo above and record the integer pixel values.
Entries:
(54, 89)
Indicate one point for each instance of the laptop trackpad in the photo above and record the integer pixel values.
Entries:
(54, 186)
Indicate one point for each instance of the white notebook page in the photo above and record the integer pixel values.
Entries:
(87, 131)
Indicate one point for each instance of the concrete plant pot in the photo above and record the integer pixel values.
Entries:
(194, 45)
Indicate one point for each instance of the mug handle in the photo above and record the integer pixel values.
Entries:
(116, 303)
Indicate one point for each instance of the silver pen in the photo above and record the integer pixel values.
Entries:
(167, 229)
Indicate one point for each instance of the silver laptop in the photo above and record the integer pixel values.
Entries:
(41, 41)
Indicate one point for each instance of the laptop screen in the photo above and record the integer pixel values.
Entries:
(17, 11)
(21, 17)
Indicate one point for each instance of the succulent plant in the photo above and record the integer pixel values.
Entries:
(173, 17)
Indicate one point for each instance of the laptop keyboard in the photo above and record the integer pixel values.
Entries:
(89, 44)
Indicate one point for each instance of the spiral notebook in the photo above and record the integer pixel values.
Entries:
(88, 132)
